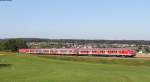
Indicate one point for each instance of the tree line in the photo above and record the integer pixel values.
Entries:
(12, 44)
(85, 41)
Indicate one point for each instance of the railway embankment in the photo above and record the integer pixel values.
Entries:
(144, 55)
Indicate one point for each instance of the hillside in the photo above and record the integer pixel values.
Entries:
(22, 68)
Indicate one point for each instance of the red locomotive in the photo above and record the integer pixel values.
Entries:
(118, 52)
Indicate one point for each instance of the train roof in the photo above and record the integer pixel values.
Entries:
(87, 48)
(104, 49)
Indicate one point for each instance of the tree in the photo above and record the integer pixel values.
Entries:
(13, 44)
(147, 49)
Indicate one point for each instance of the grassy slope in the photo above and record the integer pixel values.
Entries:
(37, 69)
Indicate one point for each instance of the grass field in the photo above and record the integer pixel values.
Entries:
(21, 68)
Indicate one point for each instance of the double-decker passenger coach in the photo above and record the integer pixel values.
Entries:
(107, 52)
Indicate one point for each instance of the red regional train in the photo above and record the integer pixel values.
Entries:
(118, 52)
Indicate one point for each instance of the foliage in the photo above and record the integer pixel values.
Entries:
(12, 45)
(147, 49)
(85, 41)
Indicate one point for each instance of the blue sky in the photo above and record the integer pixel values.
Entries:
(75, 19)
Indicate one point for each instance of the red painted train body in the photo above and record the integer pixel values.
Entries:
(83, 51)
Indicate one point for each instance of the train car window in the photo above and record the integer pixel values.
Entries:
(31, 50)
(51, 50)
(119, 51)
(94, 51)
(37, 51)
(123, 51)
(27, 50)
(61, 50)
(115, 51)
(46, 50)
(103, 51)
(84, 51)
(55, 51)
(70, 50)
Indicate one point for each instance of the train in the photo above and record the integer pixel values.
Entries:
(117, 52)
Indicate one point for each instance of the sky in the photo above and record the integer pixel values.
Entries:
(75, 19)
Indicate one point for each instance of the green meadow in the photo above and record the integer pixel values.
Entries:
(16, 67)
